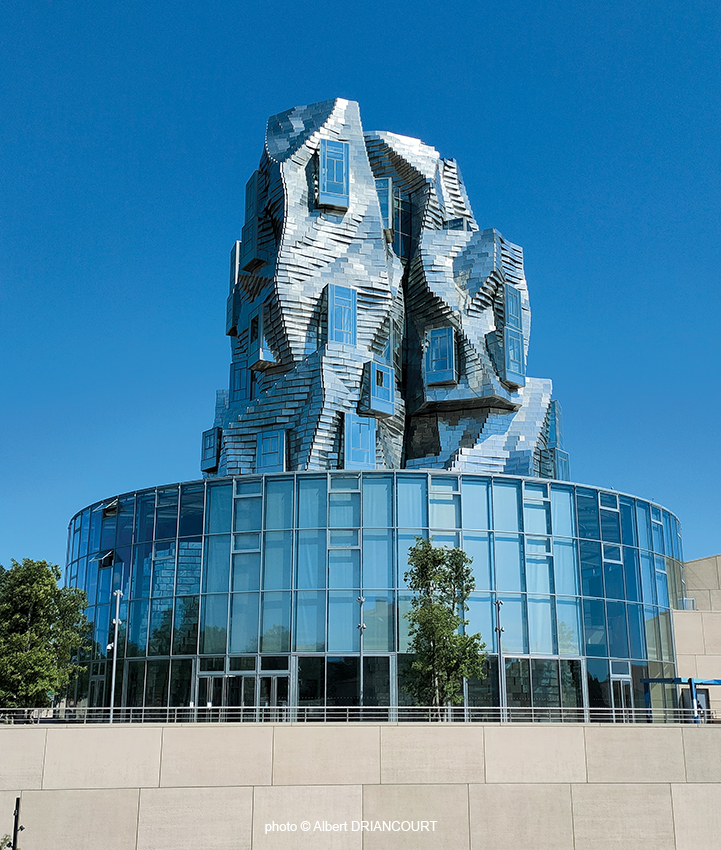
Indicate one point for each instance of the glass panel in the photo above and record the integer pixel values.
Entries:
(343, 620)
(214, 624)
(136, 684)
(484, 692)
(610, 526)
(662, 589)
(191, 510)
(648, 578)
(565, 567)
(568, 612)
(513, 622)
(657, 530)
(664, 622)
(540, 625)
(251, 487)
(244, 622)
(278, 560)
(505, 506)
(478, 547)
(571, 685)
(379, 619)
(406, 541)
(181, 682)
(644, 525)
(219, 505)
(310, 621)
(246, 571)
(312, 498)
(636, 631)
(594, 623)
(591, 571)
(599, 686)
(344, 482)
(613, 576)
(343, 538)
(95, 520)
(475, 502)
(404, 606)
(509, 574)
(343, 686)
(156, 684)
(546, 690)
(107, 536)
(166, 514)
(378, 558)
(344, 510)
(164, 569)
(250, 540)
(480, 619)
(562, 512)
(538, 573)
(216, 571)
(445, 510)
(587, 506)
(105, 580)
(248, 513)
(628, 524)
(311, 559)
(412, 501)
(137, 628)
(344, 568)
(537, 518)
(275, 635)
(617, 632)
(376, 681)
(631, 575)
(378, 501)
(189, 559)
(653, 640)
(185, 627)
(279, 503)
(311, 681)
(518, 683)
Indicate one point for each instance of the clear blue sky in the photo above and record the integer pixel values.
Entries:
(589, 133)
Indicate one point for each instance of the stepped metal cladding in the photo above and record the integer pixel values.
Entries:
(373, 324)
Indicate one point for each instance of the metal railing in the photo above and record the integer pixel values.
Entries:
(352, 714)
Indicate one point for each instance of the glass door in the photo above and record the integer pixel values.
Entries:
(273, 696)
(622, 700)
(239, 697)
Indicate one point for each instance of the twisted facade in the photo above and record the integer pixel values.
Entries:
(373, 324)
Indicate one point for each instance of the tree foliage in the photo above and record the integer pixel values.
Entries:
(42, 628)
(442, 581)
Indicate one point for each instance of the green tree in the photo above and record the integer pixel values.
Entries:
(442, 581)
(42, 629)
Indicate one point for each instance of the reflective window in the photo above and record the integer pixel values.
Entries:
(270, 451)
(571, 684)
(341, 314)
(218, 509)
(565, 567)
(537, 517)
(377, 558)
(546, 686)
(143, 519)
(310, 621)
(644, 525)
(540, 626)
(440, 356)
(189, 559)
(161, 620)
(244, 622)
(591, 572)
(587, 512)
(610, 526)
(412, 501)
(628, 521)
(164, 568)
(137, 629)
(378, 500)
(275, 634)
(518, 683)
(379, 620)
(505, 506)
(539, 566)
(344, 510)
(312, 499)
(636, 631)
(311, 681)
(480, 619)
(568, 613)
(246, 571)
(343, 681)
(631, 574)
(279, 503)
(333, 173)
(344, 568)
(617, 630)
(216, 567)
(343, 621)
(156, 684)
(513, 622)
(360, 442)
(214, 624)
(166, 514)
(311, 559)
(185, 626)
(376, 681)
(509, 571)
(278, 560)
(475, 502)
(594, 626)
(248, 513)
(478, 547)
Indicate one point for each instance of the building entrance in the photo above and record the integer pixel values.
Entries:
(622, 699)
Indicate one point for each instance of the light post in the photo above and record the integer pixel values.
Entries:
(114, 646)
(501, 665)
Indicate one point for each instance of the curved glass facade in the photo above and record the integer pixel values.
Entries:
(288, 588)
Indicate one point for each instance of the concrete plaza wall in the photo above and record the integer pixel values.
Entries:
(561, 787)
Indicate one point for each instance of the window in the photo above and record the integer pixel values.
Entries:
(440, 357)
(239, 383)
(360, 442)
(211, 450)
(515, 371)
(341, 314)
(270, 452)
(378, 390)
(259, 354)
(250, 254)
(513, 307)
(333, 188)
(384, 187)
(401, 224)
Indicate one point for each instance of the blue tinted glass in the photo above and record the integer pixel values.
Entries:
(537, 517)
(475, 502)
(275, 632)
(599, 691)
(587, 506)
(343, 621)
(628, 521)
(610, 527)
(538, 573)
(104, 583)
(565, 567)
(164, 569)
(216, 567)
(144, 517)
(310, 621)
(540, 625)
(412, 501)
(613, 576)
(311, 559)
(594, 624)
(591, 575)
(509, 575)
(653, 640)
(312, 498)
(344, 568)
(378, 500)
(562, 511)
(377, 558)
(568, 612)
(244, 622)
(166, 514)
(95, 521)
(445, 510)
(631, 575)
(137, 628)
(279, 503)
(644, 525)
(246, 571)
(657, 530)
(344, 511)
(185, 626)
(478, 547)
(278, 560)
(662, 589)
(636, 631)
(379, 619)
(84, 531)
(214, 624)
(505, 506)
(107, 536)
(406, 540)
(513, 307)
(142, 568)
(617, 632)
(191, 510)
(513, 622)
(248, 513)
(480, 619)
(648, 579)
(219, 507)
(161, 617)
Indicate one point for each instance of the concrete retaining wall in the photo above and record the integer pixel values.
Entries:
(536, 786)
